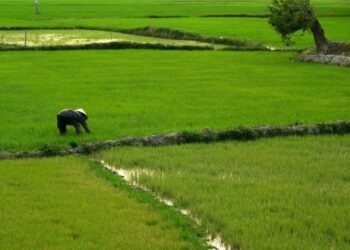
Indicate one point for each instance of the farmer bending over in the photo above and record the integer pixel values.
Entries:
(72, 117)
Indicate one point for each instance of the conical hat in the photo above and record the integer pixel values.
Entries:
(81, 111)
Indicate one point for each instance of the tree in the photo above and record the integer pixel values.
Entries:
(289, 16)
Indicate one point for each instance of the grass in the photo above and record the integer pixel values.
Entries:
(139, 8)
(251, 29)
(48, 37)
(68, 203)
(140, 92)
(284, 193)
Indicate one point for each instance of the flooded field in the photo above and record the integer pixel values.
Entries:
(47, 37)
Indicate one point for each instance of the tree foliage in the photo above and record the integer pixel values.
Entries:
(289, 16)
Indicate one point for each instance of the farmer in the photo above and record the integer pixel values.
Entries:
(72, 117)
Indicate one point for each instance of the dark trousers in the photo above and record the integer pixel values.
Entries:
(62, 123)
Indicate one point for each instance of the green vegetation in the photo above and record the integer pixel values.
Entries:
(281, 193)
(288, 17)
(140, 8)
(139, 92)
(251, 29)
(284, 193)
(60, 203)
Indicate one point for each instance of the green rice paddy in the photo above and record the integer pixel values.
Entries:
(140, 92)
(140, 8)
(66, 203)
(250, 29)
(282, 193)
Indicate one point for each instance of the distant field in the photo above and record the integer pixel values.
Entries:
(61, 203)
(251, 29)
(47, 37)
(140, 8)
(284, 193)
(140, 92)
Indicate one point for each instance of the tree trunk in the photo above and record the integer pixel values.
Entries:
(321, 41)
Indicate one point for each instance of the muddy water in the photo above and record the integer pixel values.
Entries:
(132, 176)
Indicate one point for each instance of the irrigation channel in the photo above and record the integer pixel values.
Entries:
(131, 177)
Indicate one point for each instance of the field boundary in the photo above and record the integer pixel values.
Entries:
(242, 15)
(186, 137)
(109, 45)
(340, 60)
(235, 16)
(175, 34)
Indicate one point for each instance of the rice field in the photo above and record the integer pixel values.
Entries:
(47, 37)
(22, 9)
(70, 203)
(183, 90)
(250, 29)
(283, 193)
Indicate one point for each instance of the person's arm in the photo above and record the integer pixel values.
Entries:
(82, 121)
(86, 127)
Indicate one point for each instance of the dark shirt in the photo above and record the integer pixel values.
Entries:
(72, 116)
